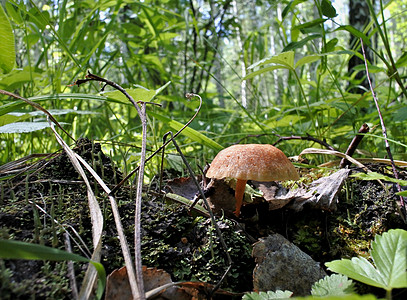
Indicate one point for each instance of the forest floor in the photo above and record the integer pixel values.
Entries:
(173, 239)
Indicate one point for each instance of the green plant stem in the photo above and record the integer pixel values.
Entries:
(388, 294)
(306, 102)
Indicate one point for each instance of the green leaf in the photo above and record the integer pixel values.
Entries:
(372, 68)
(299, 44)
(23, 127)
(286, 9)
(189, 132)
(388, 253)
(388, 139)
(139, 94)
(16, 78)
(352, 30)
(286, 120)
(346, 297)
(334, 285)
(358, 268)
(400, 114)
(15, 13)
(13, 106)
(307, 59)
(290, 6)
(402, 61)
(13, 118)
(310, 24)
(7, 48)
(264, 70)
(285, 59)
(10, 249)
(330, 46)
(327, 9)
(378, 176)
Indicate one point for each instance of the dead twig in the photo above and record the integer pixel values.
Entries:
(292, 137)
(354, 144)
(304, 138)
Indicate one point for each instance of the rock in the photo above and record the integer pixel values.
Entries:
(283, 266)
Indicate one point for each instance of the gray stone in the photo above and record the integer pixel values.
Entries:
(283, 266)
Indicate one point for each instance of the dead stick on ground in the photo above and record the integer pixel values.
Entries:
(353, 145)
(402, 203)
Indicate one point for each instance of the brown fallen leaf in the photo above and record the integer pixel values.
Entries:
(118, 287)
(158, 285)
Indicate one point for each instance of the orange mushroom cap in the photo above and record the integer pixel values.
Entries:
(259, 162)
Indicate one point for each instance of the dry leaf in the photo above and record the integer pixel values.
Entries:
(158, 285)
(321, 193)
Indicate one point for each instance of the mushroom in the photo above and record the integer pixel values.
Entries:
(259, 162)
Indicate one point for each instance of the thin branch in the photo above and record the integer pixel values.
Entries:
(354, 144)
(189, 96)
(304, 138)
(402, 202)
(93, 77)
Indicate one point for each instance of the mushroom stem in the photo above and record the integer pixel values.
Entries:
(239, 193)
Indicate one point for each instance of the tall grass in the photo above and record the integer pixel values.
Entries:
(148, 45)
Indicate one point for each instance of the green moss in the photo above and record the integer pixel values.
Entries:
(189, 249)
(41, 281)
